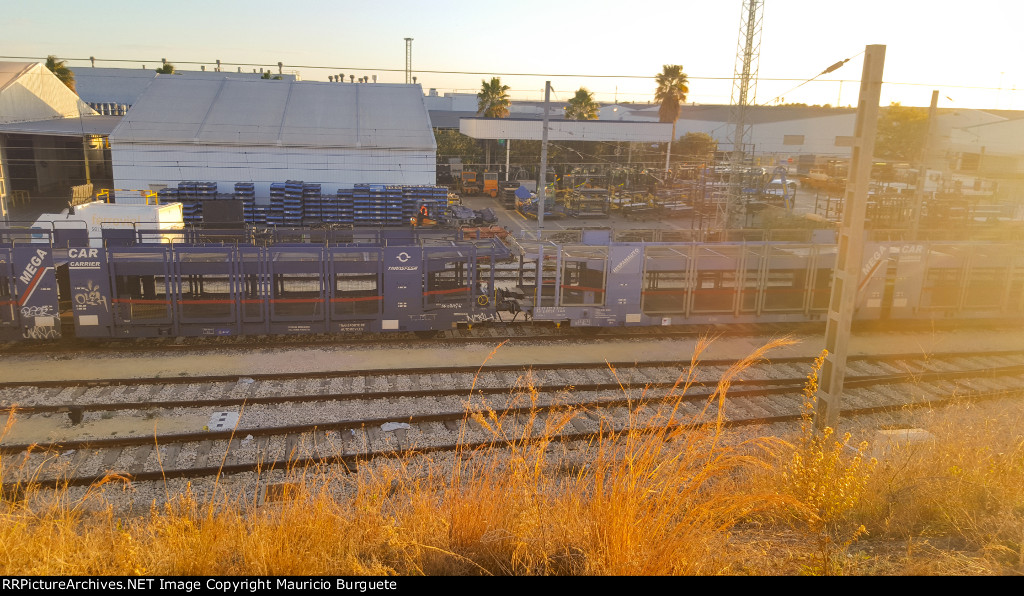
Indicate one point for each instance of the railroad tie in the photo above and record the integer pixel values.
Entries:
(403, 438)
(374, 435)
(261, 448)
(169, 456)
(348, 442)
(141, 455)
(451, 425)
(579, 425)
(291, 447)
(110, 458)
(80, 456)
(231, 457)
(202, 453)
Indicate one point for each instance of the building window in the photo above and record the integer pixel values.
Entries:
(843, 141)
(792, 139)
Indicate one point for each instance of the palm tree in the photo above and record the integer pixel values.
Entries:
(493, 101)
(671, 91)
(582, 106)
(63, 72)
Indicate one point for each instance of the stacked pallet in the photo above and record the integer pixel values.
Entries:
(191, 195)
(275, 216)
(293, 203)
(246, 192)
(346, 211)
(312, 202)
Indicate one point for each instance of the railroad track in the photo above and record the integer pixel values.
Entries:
(531, 332)
(525, 332)
(435, 419)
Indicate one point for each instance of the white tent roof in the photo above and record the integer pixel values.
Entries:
(29, 92)
(229, 111)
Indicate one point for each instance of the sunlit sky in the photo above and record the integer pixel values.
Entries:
(970, 51)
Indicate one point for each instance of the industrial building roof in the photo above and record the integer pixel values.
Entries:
(228, 111)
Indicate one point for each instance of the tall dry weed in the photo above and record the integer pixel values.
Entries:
(963, 490)
(827, 477)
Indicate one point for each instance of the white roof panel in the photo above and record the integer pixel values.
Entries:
(566, 130)
(229, 111)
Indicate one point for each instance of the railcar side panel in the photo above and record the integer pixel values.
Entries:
(36, 291)
(91, 304)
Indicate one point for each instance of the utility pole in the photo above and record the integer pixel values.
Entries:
(542, 182)
(922, 167)
(408, 60)
(850, 257)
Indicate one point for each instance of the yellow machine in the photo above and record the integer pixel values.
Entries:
(491, 184)
(470, 186)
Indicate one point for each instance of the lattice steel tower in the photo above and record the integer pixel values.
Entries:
(408, 60)
(744, 89)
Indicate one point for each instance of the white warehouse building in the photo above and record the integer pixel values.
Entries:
(264, 131)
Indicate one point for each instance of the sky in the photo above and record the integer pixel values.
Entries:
(970, 51)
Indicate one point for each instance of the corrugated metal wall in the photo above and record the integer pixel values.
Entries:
(137, 166)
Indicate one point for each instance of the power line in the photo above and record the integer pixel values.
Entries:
(520, 74)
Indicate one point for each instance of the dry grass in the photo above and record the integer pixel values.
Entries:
(686, 498)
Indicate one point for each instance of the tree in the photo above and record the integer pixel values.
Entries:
(901, 132)
(582, 106)
(671, 91)
(452, 143)
(493, 100)
(266, 75)
(63, 72)
(167, 68)
(697, 146)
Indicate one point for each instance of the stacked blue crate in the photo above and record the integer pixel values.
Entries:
(312, 203)
(411, 202)
(361, 204)
(328, 208)
(206, 190)
(393, 205)
(275, 215)
(188, 196)
(345, 205)
(246, 192)
(293, 203)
